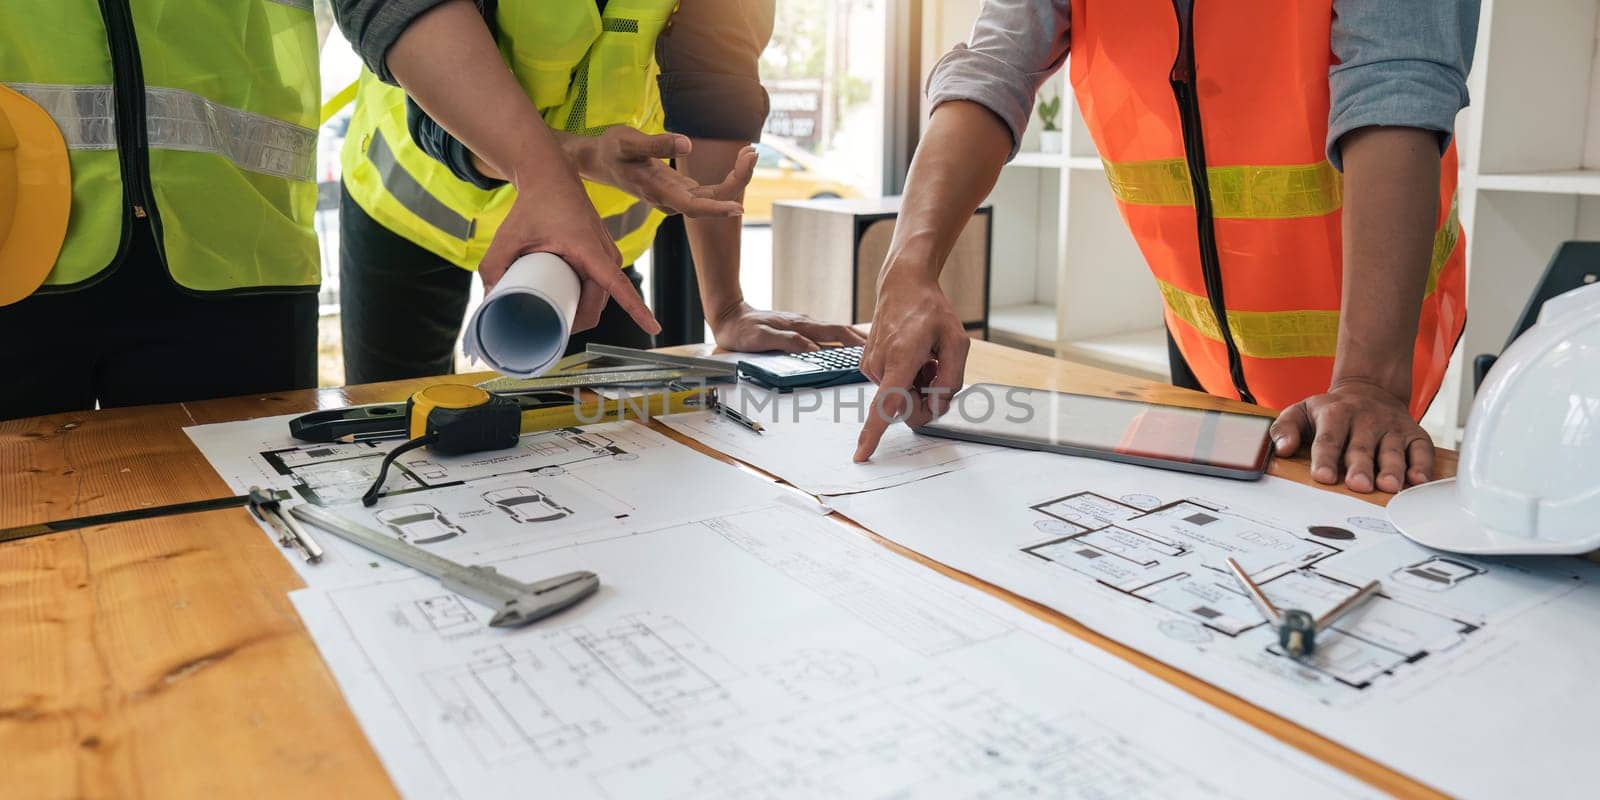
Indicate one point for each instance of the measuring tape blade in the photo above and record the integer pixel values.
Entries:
(606, 409)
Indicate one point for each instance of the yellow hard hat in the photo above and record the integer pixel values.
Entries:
(35, 195)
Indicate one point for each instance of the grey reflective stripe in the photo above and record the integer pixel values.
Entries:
(411, 195)
(303, 5)
(180, 120)
(620, 225)
(83, 113)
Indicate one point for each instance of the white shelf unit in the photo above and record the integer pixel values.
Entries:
(1067, 278)
(1530, 180)
(1530, 170)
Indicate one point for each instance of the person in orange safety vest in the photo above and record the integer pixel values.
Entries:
(1287, 172)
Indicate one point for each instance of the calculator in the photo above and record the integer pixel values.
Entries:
(782, 371)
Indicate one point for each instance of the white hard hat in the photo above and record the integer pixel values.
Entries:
(1529, 477)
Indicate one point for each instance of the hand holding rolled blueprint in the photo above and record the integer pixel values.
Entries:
(521, 328)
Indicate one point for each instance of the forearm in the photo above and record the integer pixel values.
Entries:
(1391, 208)
(714, 241)
(448, 63)
(954, 169)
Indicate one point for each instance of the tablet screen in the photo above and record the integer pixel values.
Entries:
(1046, 420)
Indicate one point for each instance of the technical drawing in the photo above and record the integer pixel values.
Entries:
(1056, 527)
(813, 675)
(526, 504)
(330, 474)
(919, 738)
(1184, 631)
(492, 702)
(339, 473)
(570, 684)
(1172, 557)
(447, 614)
(1436, 574)
(1374, 524)
(1144, 501)
(649, 666)
(419, 524)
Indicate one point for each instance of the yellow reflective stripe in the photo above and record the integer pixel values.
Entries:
(1293, 334)
(337, 103)
(1444, 243)
(1259, 334)
(1238, 192)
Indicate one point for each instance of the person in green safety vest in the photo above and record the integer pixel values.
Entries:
(472, 164)
(188, 268)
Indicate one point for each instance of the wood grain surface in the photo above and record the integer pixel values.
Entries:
(162, 658)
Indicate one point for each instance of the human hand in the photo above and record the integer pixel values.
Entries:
(750, 330)
(1363, 425)
(916, 353)
(552, 214)
(633, 162)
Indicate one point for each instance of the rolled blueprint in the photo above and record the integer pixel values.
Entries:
(521, 328)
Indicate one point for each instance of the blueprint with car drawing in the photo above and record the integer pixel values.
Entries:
(552, 489)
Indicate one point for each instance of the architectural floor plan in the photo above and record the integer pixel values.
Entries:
(1138, 555)
(552, 489)
(770, 653)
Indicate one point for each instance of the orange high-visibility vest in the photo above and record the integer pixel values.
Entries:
(1231, 106)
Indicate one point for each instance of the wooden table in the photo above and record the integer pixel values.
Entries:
(162, 658)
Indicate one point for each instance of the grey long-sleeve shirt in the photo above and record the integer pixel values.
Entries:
(1401, 63)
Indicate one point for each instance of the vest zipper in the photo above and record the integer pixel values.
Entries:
(1182, 79)
(128, 91)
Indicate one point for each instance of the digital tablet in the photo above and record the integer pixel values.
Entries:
(1219, 443)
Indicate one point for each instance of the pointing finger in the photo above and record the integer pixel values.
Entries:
(622, 290)
(888, 406)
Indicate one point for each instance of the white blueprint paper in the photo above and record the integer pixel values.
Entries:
(1476, 676)
(521, 328)
(554, 488)
(810, 439)
(771, 653)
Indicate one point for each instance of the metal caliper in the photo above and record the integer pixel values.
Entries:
(515, 603)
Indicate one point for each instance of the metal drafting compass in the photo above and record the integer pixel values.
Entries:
(1297, 629)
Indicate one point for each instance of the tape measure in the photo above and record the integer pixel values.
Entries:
(463, 419)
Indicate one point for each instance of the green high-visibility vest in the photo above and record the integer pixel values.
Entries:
(196, 116)
(584, 69)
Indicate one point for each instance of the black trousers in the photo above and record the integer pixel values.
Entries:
(135, 338)
(1182, 376)
(403, 307)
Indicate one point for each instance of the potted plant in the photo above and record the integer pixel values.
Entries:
(1050, 115)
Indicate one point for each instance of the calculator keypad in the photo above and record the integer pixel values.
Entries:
(836, 358)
